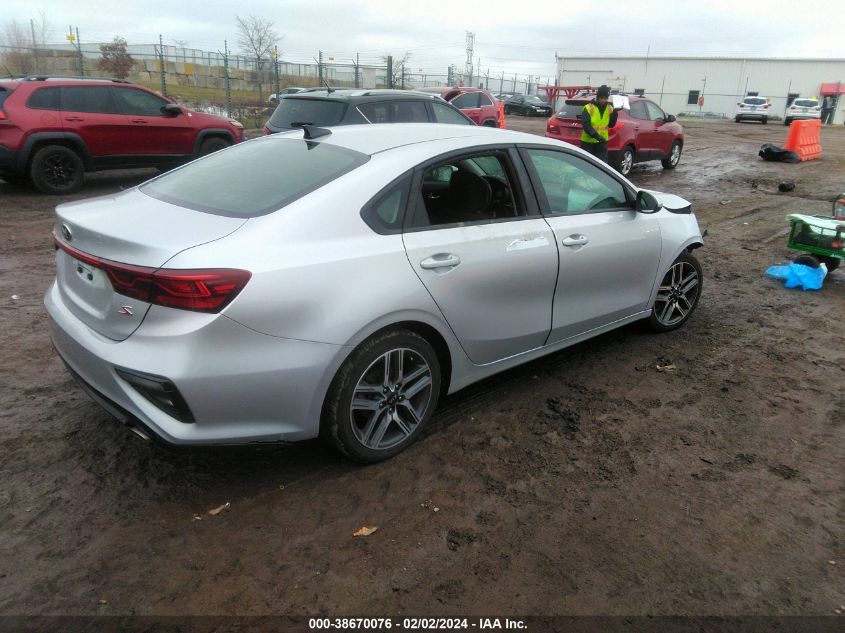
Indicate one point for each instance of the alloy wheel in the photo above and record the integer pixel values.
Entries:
(677, 294)
(59, 170)
(391, 398)
(627, 162)
(675, 154)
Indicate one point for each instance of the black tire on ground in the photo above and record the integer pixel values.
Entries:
(736, 119)
(211, 145)
(489, 123)
(674, 157)
(787, 121)
(765, 120)
(361, 379)
(832, 263)
(807, 260)
(678, 294)
(623, 161)
(57, 170)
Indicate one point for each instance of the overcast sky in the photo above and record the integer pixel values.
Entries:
(510, 37)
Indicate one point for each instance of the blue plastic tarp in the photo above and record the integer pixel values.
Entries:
(799, 275)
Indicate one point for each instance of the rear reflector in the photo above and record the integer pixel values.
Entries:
(207, 290)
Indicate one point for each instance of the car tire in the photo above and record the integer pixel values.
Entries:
(832, 263)
(736, 119)
(674, 157)
(211, 145)
(677, 295)
(57, 170)
(489, 123)
(373, 410)
(624, 161)
(787, 121)
(764, 121)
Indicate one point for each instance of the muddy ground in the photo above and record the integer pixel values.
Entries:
(588, 482)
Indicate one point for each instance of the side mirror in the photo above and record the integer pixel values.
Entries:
(647, 203)
(670, 118)
(171, 109)
(839, 207)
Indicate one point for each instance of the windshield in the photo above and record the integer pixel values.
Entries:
(254, 178)
(319, 112)
(754, 101)
(805, 103)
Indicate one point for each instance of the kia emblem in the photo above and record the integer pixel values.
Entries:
(66, 233)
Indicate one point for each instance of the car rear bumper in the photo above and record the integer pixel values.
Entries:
(752, 115)
(240, 385)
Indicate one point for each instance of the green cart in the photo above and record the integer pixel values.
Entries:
(822, 237)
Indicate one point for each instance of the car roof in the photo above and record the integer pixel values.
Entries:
(373, 139)
(359, 95)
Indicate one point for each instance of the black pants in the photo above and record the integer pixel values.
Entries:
(599, 150)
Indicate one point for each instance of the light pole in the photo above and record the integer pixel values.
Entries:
(275, 55)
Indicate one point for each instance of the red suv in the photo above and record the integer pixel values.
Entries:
(477, 103)
(642, 132)
(53, 130)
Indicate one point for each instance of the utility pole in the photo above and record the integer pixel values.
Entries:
(390, 71)
(275, 55)
(227, 80)
(502, 83)
(320, 67)
(357, 64)
(468, 70)
(161, 65)
(74, 40)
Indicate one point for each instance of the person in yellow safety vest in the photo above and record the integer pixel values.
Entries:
(597, 117)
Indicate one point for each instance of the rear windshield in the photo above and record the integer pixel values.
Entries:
(254, 178)
(319, 112)
(3, 94)
(571, 110)
(805, 103)
(755, 100)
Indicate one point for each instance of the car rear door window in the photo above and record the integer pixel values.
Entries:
(467, 100)
(93, 99)
(639, 110)
(375, 112)
(409, 112)
(138, 102)
(43, 99)
(319, 112)
(445, 114)
(254, 178)
(571, 184)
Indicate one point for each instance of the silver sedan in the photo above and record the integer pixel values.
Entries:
(339, 282)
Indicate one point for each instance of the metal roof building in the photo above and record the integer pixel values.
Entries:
(700, 85)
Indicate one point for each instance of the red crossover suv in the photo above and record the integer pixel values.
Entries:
(642, 132)
(477, 103)
(53, 130)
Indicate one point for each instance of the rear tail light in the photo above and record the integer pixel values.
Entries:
(208, 290)
(266, 130)
(552, 127)
(766, 106)
(2, 115)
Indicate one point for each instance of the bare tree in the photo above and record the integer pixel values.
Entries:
(399, 66)
(114, 59)
(257, 37)
(18, 51)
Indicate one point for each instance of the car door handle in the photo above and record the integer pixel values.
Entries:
(138, 120)
(441, 260)
(575, 240)
(74, 118)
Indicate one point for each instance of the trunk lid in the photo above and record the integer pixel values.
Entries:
(128, 228)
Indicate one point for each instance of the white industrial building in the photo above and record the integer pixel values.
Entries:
(700, 85)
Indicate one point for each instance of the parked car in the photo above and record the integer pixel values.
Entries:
(349, 107)
(752, 109)
(527, 105)
(53, 130)
(478, 104)
(340, 282)
(291, 90)
(802, 109)
(643, 131)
